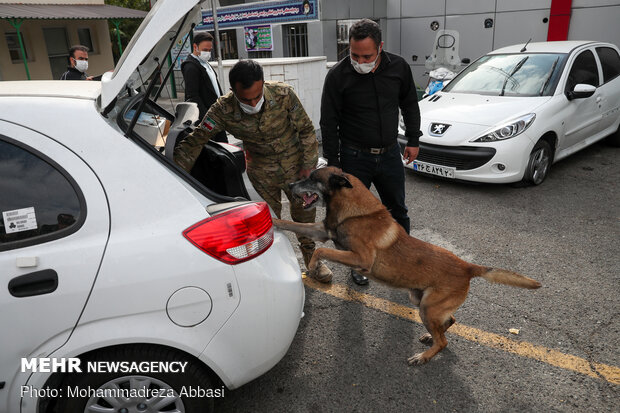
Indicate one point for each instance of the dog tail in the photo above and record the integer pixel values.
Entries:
(497, 275)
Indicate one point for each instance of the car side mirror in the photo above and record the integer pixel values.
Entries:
(581, 91)
(465, 60)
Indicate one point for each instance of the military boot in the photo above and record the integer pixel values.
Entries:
(322, 273)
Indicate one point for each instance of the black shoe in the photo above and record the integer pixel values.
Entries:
(358, 278)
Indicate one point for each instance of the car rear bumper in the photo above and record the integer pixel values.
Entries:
(500, 162)
(251, 342)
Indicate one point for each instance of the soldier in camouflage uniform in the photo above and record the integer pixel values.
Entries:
(278, 137)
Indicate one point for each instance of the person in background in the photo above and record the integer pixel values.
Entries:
(278, 136)
(360, 106)
(78, 64)
(201, 84)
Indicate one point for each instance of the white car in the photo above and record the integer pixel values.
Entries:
(110, 253)
(515, 111)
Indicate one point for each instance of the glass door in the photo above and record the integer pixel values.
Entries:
(57, 49)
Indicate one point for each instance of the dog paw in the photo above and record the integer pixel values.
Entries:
(426, 339)
(416, 360)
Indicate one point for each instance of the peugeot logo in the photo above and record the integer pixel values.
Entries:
(438, 129)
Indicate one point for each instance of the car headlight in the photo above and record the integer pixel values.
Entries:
(509, 130)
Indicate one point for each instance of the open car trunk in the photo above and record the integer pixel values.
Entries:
(129, 97)
(220, 166)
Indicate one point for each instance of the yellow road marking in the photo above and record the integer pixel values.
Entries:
(521, 348)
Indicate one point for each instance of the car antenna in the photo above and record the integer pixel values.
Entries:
(525, 47)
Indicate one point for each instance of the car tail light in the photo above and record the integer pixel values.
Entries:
(236, 235)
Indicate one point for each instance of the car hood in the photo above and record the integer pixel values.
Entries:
(167, 22)
(482, 110)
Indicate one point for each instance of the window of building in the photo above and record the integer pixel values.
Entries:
(12, 42)
(86, 39)
(259, 54)
(610, 61)
(44, 202)
(295, 40)
(228, 43)
(342, 37)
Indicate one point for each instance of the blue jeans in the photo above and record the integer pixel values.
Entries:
(386, 172)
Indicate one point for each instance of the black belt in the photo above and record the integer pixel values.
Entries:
(373, 151)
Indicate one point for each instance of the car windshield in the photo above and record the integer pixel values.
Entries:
(521, 74)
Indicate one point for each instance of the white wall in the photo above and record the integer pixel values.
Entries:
(305, 74)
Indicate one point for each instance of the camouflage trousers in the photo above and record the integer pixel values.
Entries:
(270, 186)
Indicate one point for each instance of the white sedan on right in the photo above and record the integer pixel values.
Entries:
(515, 111)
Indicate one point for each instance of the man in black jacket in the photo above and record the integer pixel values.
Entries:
(359, 118)
(201, 84)
(78, 64)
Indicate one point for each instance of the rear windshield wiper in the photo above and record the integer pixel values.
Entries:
(515, 70)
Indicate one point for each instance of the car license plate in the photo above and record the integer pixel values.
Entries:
(433, 169)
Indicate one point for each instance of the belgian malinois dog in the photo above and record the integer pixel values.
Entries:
(370, 241)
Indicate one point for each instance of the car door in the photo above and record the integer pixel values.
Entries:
(582, 115)
(609, 103)
(54, 225)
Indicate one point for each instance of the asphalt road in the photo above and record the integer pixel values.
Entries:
(350, 352)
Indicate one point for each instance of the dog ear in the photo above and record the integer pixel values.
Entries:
(339, 181)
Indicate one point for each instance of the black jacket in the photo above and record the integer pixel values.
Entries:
(199, 89)
(362, 110)
(73, 74)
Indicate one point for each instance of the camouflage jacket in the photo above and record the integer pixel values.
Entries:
(281, 131)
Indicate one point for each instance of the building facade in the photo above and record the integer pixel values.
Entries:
(48, 29)
(409, 26)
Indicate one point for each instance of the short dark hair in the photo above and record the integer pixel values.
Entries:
(76, 48)
(245, 72)
(364, 28)
(200, 37)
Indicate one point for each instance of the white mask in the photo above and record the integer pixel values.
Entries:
(364, 68)
(81, 65)
(251, 110)
(205, 56)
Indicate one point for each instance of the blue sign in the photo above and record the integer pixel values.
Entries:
(261, 13)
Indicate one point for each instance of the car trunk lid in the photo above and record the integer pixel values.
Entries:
(167, 23)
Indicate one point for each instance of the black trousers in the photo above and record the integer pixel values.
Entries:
(386, 172)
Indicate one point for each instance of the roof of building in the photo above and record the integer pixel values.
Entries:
(72, 11)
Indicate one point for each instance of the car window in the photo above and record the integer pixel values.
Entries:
(610, 61)
(584, 70)
(523, 74)
(39, 202)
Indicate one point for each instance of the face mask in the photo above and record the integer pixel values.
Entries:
(81, 65)
(205, 56)
(364, 68)
(251, 110)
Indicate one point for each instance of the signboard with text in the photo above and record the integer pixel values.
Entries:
(180, 51)
(258, 38)
(261, 13)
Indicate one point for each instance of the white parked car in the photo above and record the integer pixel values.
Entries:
(515, 111)
(111, 253)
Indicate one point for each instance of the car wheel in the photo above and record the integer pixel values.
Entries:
(538, 164)
(151, 391)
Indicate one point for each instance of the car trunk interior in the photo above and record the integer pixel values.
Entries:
(220, 166)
